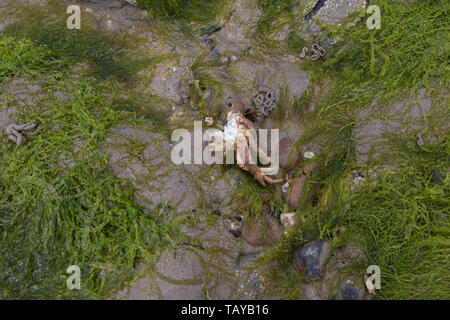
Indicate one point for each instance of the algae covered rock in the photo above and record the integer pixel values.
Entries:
(264, 232)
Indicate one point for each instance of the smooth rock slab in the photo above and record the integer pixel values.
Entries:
(250, 74)
(180, 275)
(335, 12)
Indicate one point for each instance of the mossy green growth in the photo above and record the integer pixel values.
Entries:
(186, 10)
(275, 15)
(21, 56)
(371, 70)
(401, 216)
(272, 9)
(404, 220)
(60, 206)
(108, 57)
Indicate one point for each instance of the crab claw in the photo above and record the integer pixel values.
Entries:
(258, 176)
(263, 179)
(269, 180)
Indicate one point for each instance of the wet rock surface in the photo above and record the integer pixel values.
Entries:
(351, 288)
(336, 11)
(332, 274)
(251, 74)
(6, 118)
(312, 258)
(372, 136)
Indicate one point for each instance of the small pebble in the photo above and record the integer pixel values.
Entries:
(235, 233)
(309, 155)
(276, 213)
(285, 187)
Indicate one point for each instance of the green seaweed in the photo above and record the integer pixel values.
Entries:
(401, 216)
(61, 212)
(186, 10)
(108, 57)
(60, 203)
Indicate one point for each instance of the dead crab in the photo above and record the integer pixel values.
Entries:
(237, 133)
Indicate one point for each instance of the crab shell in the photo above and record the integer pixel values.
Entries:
(236, 112)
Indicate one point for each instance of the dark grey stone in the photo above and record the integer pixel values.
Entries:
(312, 258)
(350, 293)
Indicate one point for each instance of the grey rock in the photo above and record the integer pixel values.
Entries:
(180, 275)
(374, 127)
(317, 290)
(335, 12)
(132, 2)
(266, 208)
(250, 74)
(242, 23)
(351, 288)
(155, 177)
(312, 258)
(166, 83)
(282, 34)
(277, 213)
(210, 29)
(437, 178)
(350, 293)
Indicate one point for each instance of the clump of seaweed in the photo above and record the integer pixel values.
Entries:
(26, 58)
(187, 10)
